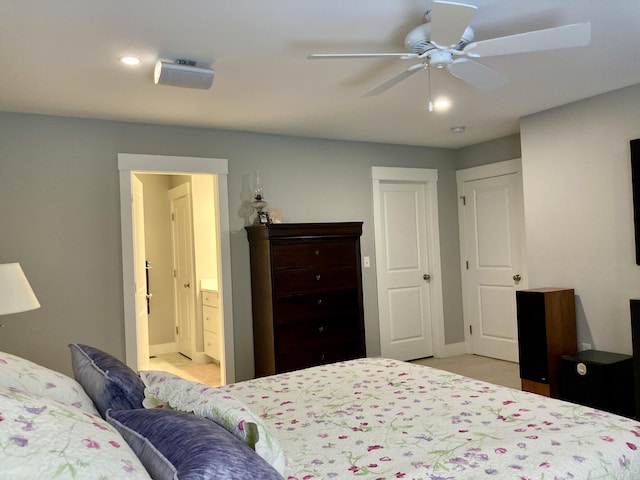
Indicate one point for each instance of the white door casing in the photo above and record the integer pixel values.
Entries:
(127, 165)
(139, 270)
(492, 253)
(407, 248)
(184, 288)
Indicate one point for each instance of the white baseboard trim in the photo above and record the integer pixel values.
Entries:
(199, 358)
(452, 350)
(162, 348)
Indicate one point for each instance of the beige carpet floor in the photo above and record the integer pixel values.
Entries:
(490, 370)
(178, 364)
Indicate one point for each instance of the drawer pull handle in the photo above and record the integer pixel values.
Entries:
(319, 302)
(321, 329)
(322, 358)
(317, 252)
(317, 277)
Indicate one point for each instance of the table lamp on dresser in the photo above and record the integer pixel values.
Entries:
(16, 294)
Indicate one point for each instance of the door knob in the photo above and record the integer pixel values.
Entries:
(426, 276)
(187, 285)
(517, 277)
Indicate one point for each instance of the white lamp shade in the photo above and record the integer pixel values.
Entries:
(15, 292)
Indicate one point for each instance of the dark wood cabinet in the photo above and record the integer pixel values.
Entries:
(546, 331)
(306, 288)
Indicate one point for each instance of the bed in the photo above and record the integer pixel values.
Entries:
(371, 418)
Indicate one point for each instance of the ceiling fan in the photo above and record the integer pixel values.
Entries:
(446, 41)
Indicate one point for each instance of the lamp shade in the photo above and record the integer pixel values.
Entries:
(15, 292)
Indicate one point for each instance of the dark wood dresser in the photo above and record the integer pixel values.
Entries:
(306, 288)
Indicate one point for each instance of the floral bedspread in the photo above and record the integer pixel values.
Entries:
(381, 419)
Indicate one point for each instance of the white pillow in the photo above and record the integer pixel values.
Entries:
(152, 378)
(21, 374)
(218, 405)
(45, 439)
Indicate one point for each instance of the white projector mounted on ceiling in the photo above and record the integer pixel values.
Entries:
(182, 73)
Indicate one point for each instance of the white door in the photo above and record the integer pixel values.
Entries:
(492, 223)
(184, 288)
(406, 275)
(139, 270)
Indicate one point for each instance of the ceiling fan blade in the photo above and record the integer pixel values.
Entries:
(320, 56)
(449, 21)
(576, 35)
(477, 75)
(383, 87)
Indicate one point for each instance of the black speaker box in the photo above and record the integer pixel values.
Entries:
(546, 331)
(602, 380)
(532, 337)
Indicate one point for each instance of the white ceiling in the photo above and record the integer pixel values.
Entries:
(61, 58)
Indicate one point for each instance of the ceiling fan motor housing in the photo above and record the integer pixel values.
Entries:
(418, 40)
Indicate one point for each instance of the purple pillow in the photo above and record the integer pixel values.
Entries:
(107, 381)
(172, 444)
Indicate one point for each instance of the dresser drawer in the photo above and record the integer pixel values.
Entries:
(210, 298)
(309, 357)
(312, 279)
(210, 318)
(318, 333)
(292, 308)
(304, 254)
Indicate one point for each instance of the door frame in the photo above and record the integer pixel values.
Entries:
(174, 165)
(497, 169)
(428, 177)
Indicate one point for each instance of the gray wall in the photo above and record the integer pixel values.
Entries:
(505, 148)
(578, 210)
(60, 212)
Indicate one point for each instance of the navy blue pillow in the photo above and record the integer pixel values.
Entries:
(173, 444)
(108, 381)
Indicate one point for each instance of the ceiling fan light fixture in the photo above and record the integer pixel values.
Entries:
(441, 104)
(440, 58)
(130, 60)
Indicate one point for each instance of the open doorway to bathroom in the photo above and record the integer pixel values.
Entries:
(205, 180)
(181, 263)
